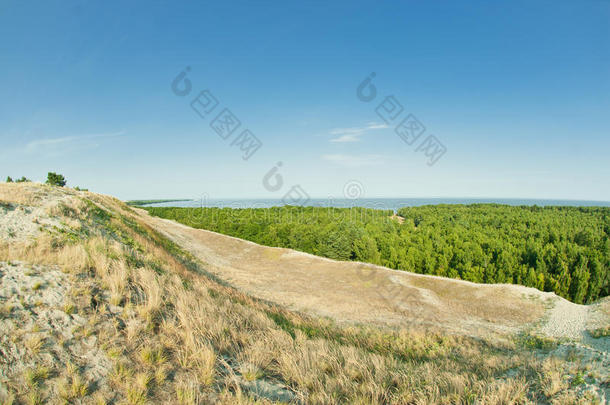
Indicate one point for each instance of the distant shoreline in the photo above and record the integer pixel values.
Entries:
(148, 202)
(375, 203)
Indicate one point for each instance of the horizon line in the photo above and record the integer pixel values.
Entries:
(174, 199)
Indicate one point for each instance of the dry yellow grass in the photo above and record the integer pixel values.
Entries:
(175, 335)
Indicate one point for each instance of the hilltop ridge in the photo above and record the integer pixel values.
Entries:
(102, 302)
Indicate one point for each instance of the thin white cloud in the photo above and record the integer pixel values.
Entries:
(56, 147)
(377, 125)
(354, 160)
(354, 134)
(84, 140)
(346, 138)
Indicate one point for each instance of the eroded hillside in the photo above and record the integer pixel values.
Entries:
(101, 303)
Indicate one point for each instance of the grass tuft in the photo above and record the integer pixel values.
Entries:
(35, 343)
(69, 308)
(600, 332)
(35, 376)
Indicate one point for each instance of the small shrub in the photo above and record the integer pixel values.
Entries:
(537, 342)
(600, 332)
(69, 308)
(54, 179)
(578, 380)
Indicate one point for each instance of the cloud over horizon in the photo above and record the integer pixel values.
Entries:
(64, 144)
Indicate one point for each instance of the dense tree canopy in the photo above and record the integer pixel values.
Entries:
(560, 249)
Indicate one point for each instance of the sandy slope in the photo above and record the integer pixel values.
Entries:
(349, 291)
(33, 298)
(346, 291)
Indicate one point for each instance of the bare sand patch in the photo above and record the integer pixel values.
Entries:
(38, 332)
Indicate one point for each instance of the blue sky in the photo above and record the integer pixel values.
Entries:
(518, 92)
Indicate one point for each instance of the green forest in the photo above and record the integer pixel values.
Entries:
(560, 249)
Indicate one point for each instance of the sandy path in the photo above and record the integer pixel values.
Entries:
(566, 320)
